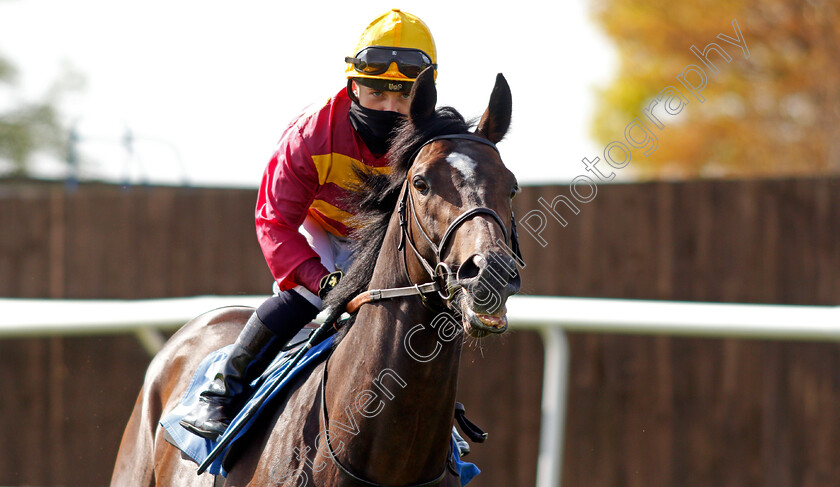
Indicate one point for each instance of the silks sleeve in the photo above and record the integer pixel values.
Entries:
(288, 188)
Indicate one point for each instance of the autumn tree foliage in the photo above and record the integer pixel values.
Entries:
(26, 127)
(774, 113)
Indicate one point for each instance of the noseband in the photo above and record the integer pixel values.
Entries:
(444, 280)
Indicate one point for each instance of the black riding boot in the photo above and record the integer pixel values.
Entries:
(252, 352)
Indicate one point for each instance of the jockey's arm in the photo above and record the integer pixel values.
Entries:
(288, 188)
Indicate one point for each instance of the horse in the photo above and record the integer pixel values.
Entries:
(436, 260)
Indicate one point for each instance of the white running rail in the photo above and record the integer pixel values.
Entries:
(551, 316)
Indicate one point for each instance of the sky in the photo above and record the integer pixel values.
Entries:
(206, 87)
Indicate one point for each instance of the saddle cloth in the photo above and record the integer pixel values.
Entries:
(198, 448)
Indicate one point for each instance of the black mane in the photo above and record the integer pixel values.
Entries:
(376, 197)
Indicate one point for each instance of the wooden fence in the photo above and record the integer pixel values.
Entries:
(643, 411)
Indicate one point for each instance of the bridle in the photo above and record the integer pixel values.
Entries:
(444, 280)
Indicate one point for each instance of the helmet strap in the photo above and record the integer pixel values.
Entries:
(350, 91)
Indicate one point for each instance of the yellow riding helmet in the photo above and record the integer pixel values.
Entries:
(394, 29)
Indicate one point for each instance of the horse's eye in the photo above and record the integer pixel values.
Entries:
(420, 185)
(514, 191)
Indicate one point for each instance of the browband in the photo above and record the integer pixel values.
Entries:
(472, 137)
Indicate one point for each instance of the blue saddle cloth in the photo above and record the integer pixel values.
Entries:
(198, 448)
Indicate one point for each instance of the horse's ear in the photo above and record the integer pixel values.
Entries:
(496, 119)
(423, 97)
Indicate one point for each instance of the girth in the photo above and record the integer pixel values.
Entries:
(325, 418)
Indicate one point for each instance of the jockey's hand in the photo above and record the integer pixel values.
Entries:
(328, 282)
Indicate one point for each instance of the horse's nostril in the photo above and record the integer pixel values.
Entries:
(471, 268)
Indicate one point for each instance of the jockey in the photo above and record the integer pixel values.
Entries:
(302, 222)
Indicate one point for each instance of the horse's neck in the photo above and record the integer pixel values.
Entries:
(397, 378)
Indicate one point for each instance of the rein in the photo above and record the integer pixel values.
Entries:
(444, 280)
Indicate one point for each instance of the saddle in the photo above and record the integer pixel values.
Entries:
(272, 385)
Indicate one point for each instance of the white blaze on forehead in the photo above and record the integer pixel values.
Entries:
(464, 164)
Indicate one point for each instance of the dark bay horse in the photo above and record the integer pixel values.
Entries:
(381, 408)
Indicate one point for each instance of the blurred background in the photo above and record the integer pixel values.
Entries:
(200, 92)
(133, 137)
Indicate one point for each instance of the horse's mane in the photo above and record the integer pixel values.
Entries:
(376, 196)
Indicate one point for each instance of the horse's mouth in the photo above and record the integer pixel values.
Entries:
(480, 325)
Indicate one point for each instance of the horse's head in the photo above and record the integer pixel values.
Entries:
(459, 218)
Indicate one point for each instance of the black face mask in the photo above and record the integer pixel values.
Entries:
(374, 126)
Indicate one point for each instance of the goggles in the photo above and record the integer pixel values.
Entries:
(376, 60)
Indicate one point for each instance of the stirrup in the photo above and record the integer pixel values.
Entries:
(461, 443)
(469, 428)
(198, 423)
(207, 434)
